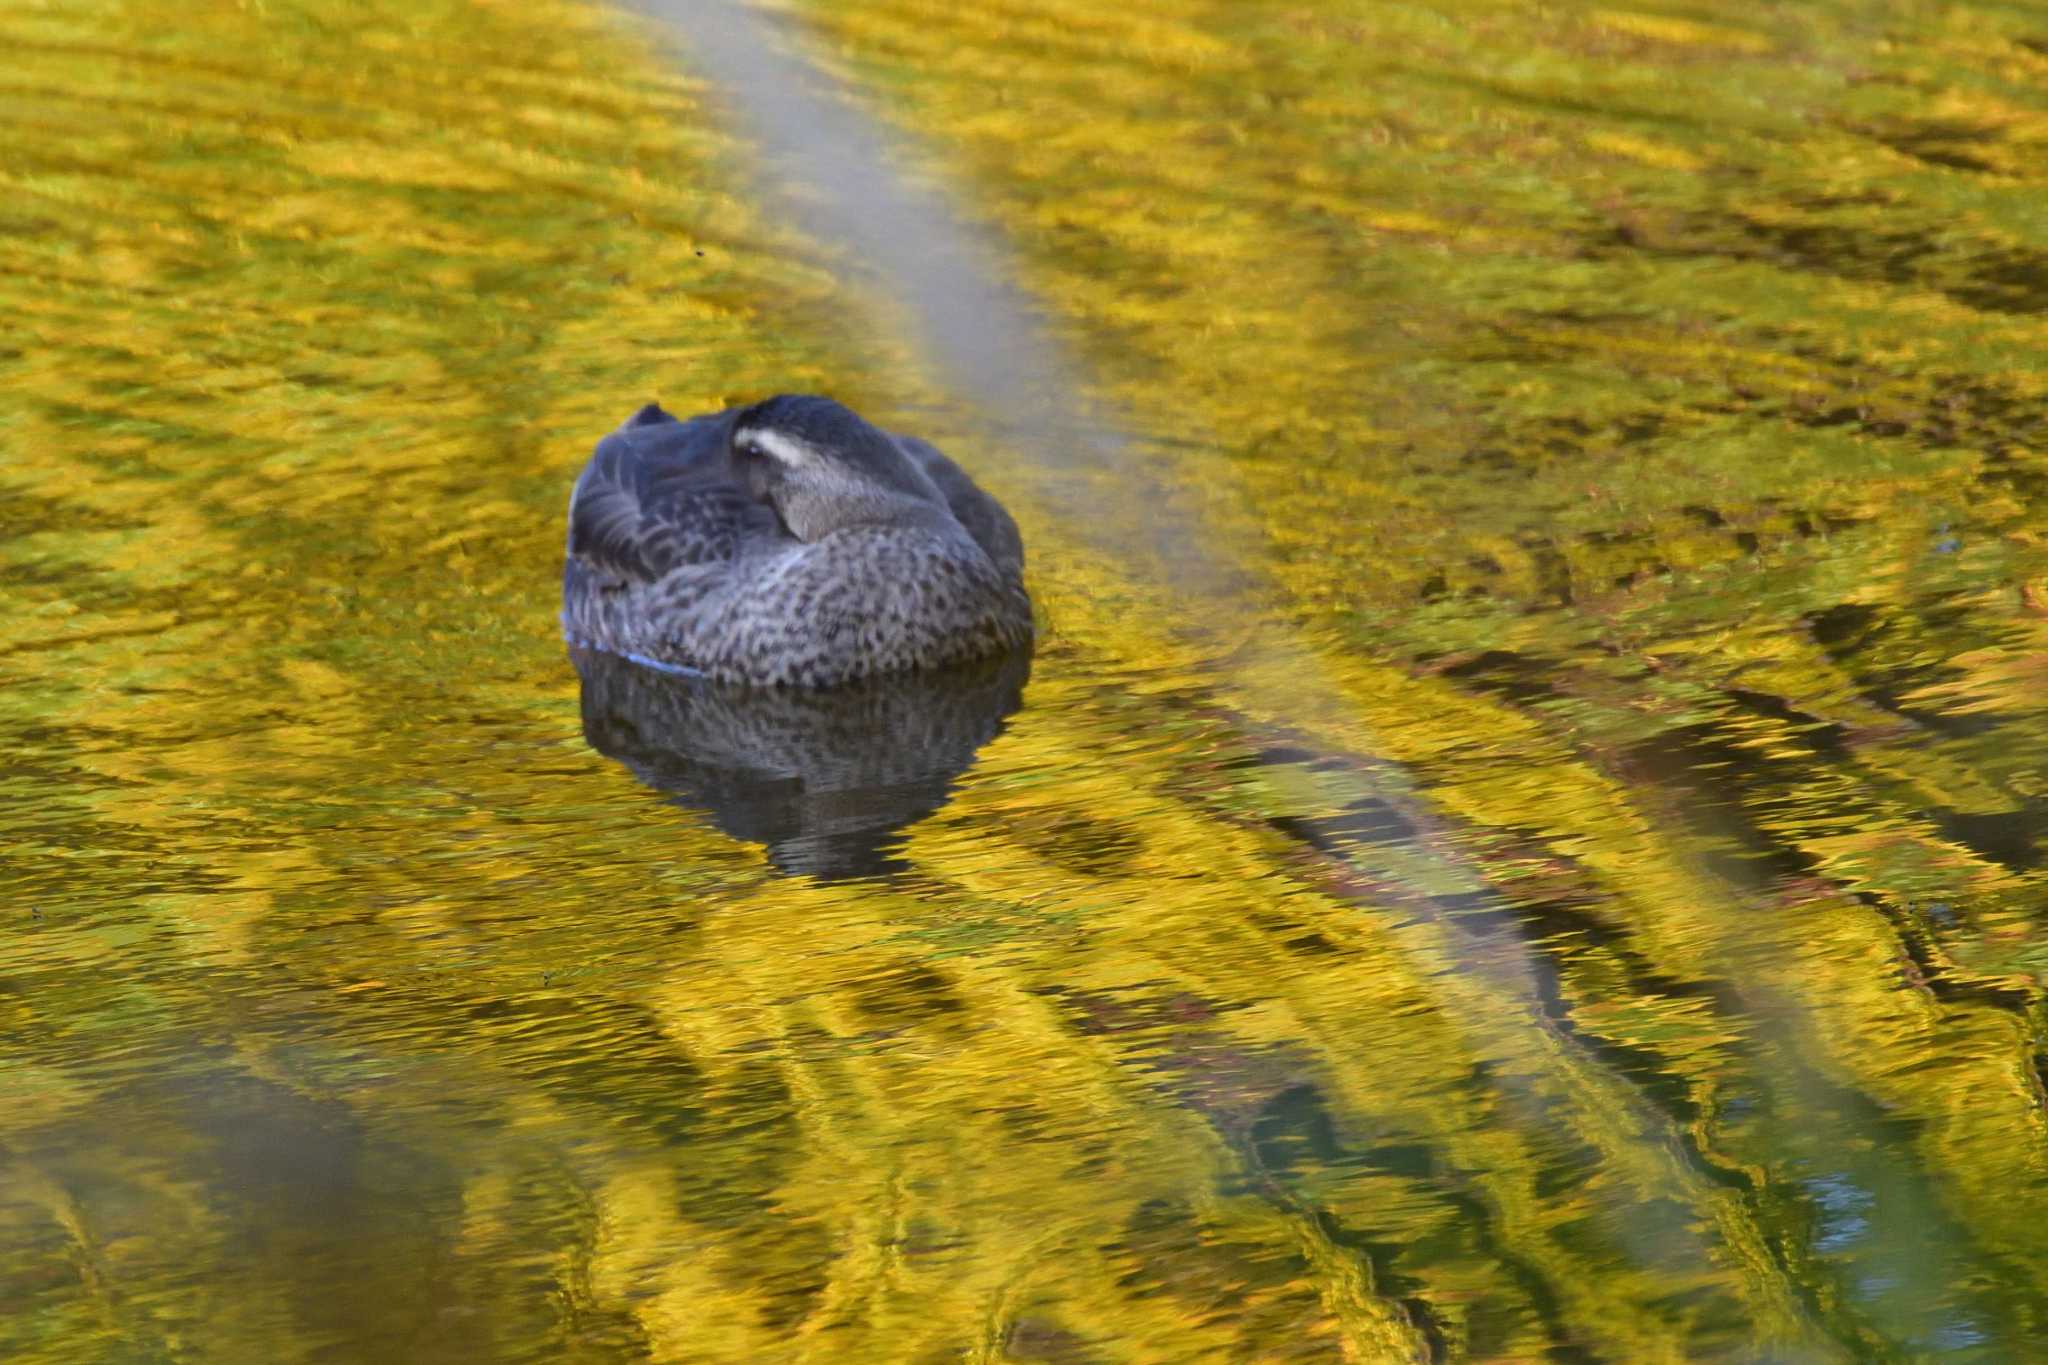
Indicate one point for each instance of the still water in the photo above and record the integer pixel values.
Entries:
(1613, 928)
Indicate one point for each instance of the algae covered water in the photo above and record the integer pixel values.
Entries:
(1612, 928)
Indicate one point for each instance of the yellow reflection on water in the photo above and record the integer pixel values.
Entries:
(1638, 407)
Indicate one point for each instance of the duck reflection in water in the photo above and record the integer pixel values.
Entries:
(825, 779)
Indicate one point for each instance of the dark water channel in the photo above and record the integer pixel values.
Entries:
(1522, 838)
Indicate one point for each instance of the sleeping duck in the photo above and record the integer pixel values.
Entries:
(789, 543)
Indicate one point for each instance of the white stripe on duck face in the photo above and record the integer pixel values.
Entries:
(789, 451)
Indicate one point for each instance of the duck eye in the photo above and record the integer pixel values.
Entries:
(774, 447)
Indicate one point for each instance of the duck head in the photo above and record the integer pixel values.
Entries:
(822, 468)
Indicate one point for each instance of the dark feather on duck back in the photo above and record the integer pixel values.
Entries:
(979, 515)
(659, 493)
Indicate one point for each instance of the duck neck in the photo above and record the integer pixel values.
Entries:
(812, 516)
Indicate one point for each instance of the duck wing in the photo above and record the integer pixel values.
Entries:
(659, 494)
(981, 515)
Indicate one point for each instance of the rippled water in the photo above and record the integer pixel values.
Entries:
(1612, 929)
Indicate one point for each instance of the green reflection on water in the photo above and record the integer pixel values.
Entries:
(1642, 407)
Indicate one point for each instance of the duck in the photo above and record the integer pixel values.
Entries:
(787, 543)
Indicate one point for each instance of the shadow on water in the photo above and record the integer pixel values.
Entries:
(825, 781)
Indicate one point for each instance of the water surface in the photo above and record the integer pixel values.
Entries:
(1635, 953)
